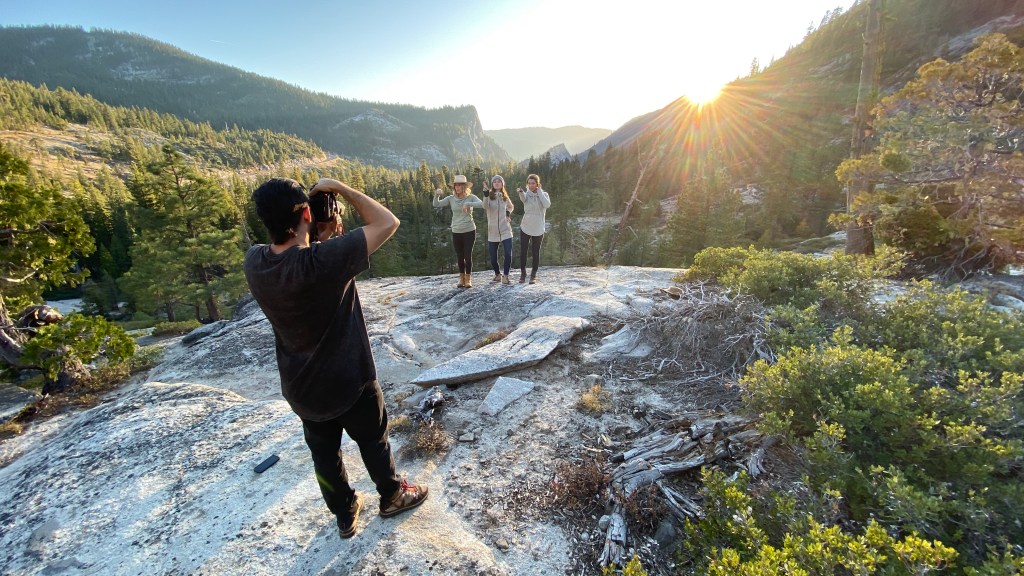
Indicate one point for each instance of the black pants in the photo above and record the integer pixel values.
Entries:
(463, 242)
(534, 243)
(367, 424)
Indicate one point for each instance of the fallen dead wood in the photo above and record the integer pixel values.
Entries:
(614, 551)
(679, 445)
(704, 331)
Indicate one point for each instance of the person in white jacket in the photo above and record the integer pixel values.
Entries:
(498, 207)
(531, 230)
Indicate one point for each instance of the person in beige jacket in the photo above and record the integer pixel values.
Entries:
(499, 207)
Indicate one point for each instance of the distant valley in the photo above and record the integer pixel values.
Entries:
(522, 143)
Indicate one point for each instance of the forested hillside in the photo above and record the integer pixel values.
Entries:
(125, 69)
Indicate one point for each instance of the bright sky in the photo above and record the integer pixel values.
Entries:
(522, 63)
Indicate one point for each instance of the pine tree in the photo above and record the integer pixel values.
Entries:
(190, 251)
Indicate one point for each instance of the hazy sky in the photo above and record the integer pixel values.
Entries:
(522, 63)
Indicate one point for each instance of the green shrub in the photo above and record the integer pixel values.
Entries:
(906, 412)
(730, 541)
(917, 455)
(943, 331)
(836, 282)
(175, 328)
(87, 338)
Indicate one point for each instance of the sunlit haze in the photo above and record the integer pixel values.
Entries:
(523, 63)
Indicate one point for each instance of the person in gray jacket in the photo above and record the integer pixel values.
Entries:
(462, 203)
(531, 230)
(499, 206)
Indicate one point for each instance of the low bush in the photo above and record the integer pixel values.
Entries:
(175, 328)
(905, 410)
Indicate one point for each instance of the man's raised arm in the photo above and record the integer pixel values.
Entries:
(379, 223)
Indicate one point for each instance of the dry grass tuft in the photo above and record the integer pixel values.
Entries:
(493, 337)
(645, 509)
(430, 438)
(596, 400)
(400, 424)
(577, 485)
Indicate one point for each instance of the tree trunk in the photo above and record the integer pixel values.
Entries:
(11, 340)
(860, 237)
(629, 205)
(212, 309)
(169, 308)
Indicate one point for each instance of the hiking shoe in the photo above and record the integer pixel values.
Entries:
(522, 277)
(533, 278)
(408, 497)
(505, 280)
(497, 277)
(347, 526)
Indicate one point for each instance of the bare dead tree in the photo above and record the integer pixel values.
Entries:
(645, 162)
(859, 234)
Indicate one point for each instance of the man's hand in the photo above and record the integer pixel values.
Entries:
(379, 222)
(327, 230)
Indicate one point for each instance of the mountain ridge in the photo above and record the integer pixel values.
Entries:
(127, 69)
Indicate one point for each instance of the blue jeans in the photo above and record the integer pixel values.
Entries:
(492, 248)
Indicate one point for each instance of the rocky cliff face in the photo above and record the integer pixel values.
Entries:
(158, 479)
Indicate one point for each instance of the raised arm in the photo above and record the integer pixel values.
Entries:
(379, 223)
(436, 199)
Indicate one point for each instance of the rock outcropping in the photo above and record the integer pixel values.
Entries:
(158, 478)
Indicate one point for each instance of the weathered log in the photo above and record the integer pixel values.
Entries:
(631, 467)
(637, 481)
(746, 437)
(755, 464)
(614, 540)
(695, 459)
(724, 424)
(682, 507)
(677, 444)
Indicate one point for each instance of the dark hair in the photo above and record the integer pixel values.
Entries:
(278, 204)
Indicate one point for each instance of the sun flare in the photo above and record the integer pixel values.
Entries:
(705, 94)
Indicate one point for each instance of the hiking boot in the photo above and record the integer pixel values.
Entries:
(497, 277)
(462, 281)
(533, 278)
(469, 280)
(505, 280)
(408, 497)
(522, 277)
(347, 526)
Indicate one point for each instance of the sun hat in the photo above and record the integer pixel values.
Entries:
(461, 179)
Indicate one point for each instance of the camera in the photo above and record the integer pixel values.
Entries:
(324, 206)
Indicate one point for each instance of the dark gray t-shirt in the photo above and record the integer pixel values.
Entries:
(309, 295)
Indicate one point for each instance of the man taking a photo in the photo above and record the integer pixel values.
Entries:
(308, 292)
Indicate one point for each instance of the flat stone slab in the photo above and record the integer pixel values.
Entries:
(13, 399)
(530, 343)
(504, 392)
